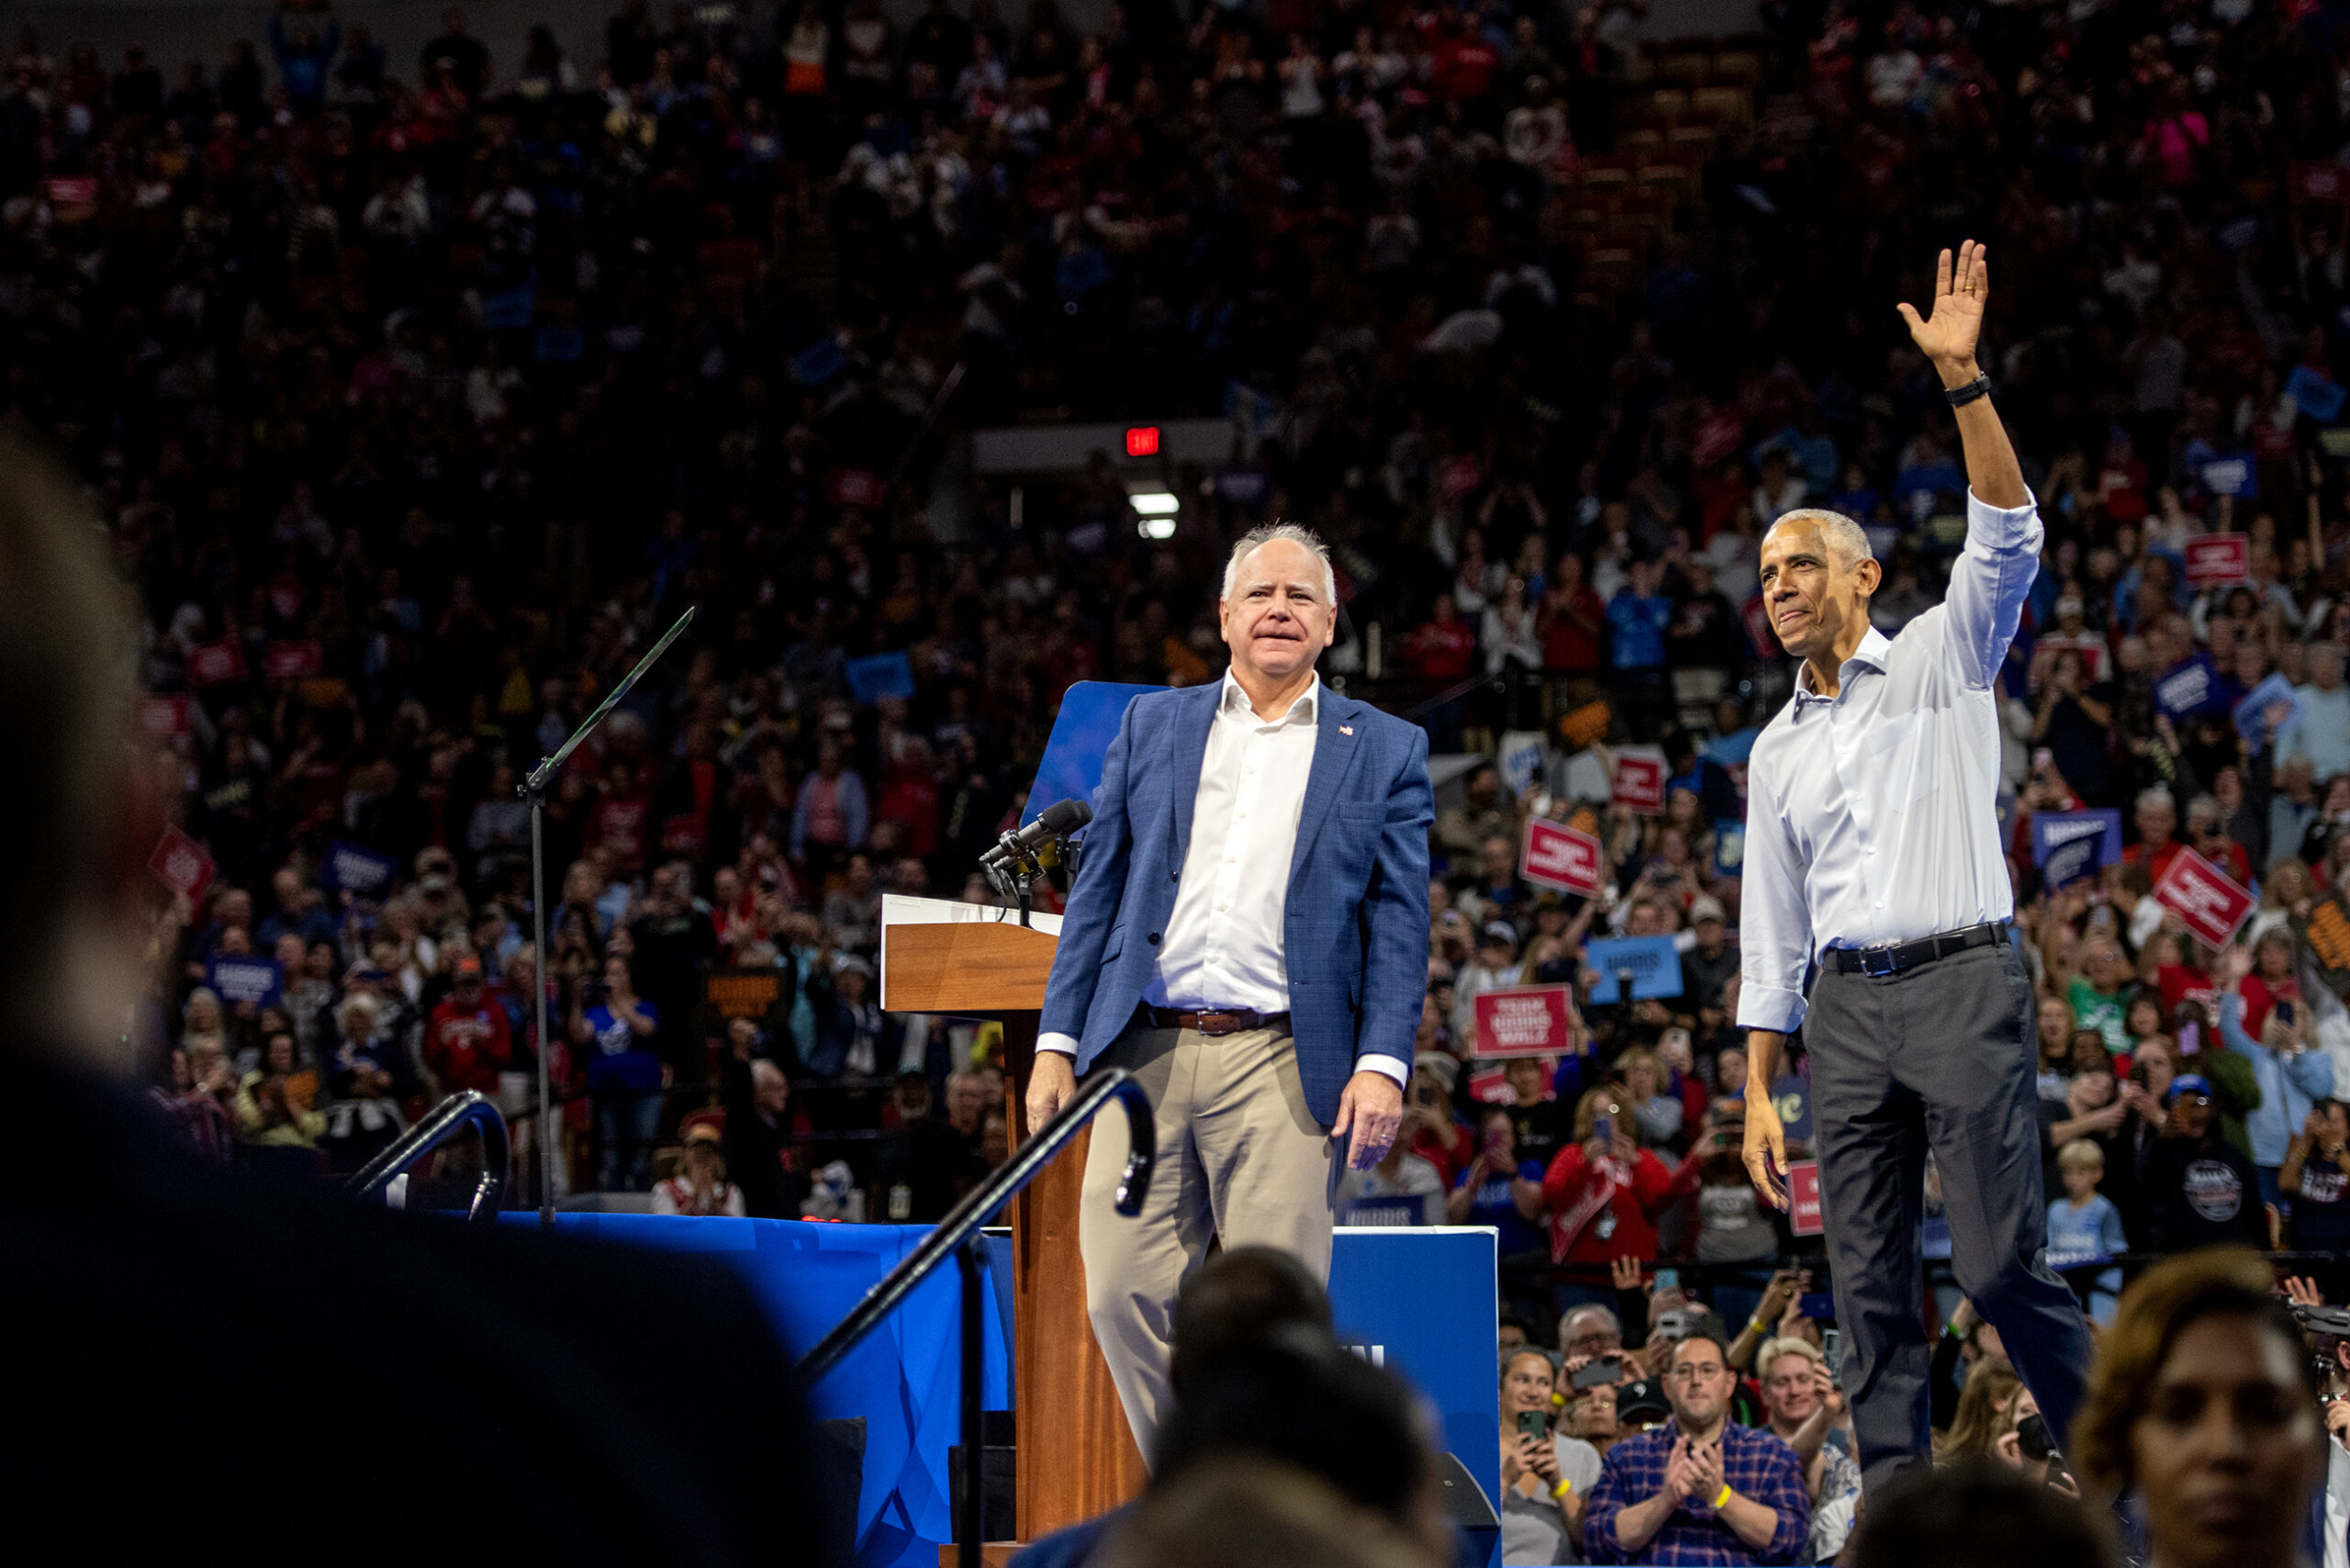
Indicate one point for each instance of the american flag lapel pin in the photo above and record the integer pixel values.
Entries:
(1345, 728)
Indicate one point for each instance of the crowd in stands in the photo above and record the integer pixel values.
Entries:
(421, 396)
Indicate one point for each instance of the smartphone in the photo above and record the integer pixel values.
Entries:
(1533, 1424)
(2032, 1439)
(2138, 1074)
(1667, 1278)
(1831, 1350)
(2284, 1010)
(1601, 1371)
(1818, 1305)
(1603, 1128)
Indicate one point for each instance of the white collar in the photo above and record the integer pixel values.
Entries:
(1872, 652)
(1301, 712)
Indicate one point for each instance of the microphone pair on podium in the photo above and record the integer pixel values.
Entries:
(1041, 843)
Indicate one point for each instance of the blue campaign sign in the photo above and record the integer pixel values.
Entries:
(1730, 847)
(2232, 474)
(881, 675)
(2317, 396)
(2069, 845)
(1090, 712)
(1791, 1097)
(359, 871)
(2193, 688)
(2252, 713)
(242, 978)
(1654, 961)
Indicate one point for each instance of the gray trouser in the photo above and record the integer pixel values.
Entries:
(1943, 1055)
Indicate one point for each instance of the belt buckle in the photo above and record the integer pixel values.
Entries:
(1225, 1022)
(1879, 961)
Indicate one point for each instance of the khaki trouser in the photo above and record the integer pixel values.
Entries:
(1239, 1156)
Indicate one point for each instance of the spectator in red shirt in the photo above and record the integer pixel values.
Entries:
(2158, 818)
(467, 1043)
(1574, 619)
(1441, 648)
(1604, 1192)
(622, 818)
(2271, 978)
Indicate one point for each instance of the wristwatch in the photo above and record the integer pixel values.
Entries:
(1962, 396)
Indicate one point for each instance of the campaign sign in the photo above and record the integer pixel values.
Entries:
(1791, 1097)
(881, 675)
(1520, 760)
(163, 717)
(1730, 847)
(1803, 1198)
(1639, 780)
(244, 977)
(2315, 393)
(1523, 1021)
(1490, 1086)
(2204, 897)
(358, 872)
(1654, 961)
(214, 662)
(2252, 713)
(2232, 474)
(2069, 845)
(182, 865)
(2193, 688)
(2218, 558)
(284, 661)
(1556, 856)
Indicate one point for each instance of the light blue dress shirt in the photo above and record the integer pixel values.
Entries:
(1871, 816)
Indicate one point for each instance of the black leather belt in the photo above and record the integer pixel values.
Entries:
(1896, 957)
(1219, 1021)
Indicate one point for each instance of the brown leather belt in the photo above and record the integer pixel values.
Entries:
(1222, 1020)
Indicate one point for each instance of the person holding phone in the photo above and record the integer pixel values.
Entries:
(1873, 851)
(1546, 1474)
(2292, 1077)
(1604, 1192)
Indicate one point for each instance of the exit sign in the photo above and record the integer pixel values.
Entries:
(1142, 440)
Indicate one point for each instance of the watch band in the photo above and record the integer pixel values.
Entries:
(1962, 396)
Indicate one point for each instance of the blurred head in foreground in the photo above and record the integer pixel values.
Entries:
(72, 862)
(1979, 1513)
(1242, 1512)
(2205, 1404)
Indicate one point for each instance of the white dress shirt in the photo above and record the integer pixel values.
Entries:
(1222, 944)
(1871, 816)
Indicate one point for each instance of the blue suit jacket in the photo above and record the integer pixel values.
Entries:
(1355, 927)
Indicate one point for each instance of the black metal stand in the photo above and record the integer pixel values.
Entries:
(968, 1520)
(535, 789)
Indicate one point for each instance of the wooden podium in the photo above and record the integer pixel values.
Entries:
(1077, 1454)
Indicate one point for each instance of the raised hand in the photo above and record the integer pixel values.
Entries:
(1947, 337)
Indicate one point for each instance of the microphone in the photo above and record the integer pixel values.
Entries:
(1056, 822)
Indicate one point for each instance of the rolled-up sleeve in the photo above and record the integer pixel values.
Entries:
(1773, 920)
(1988, 584)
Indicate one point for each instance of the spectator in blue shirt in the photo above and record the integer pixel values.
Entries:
(625, 1075)
(2292, 1077)
(1637, 618)
(1701, 1488)
(2083, 1223)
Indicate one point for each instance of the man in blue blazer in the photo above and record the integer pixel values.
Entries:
(1248, 936)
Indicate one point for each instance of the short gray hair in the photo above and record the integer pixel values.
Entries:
(1256, 538)
(1848, 539)
(2156, 795)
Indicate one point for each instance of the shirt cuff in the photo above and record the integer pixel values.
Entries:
(2001, 528)
(1059, 1044)
(1395, 1067)
(1768, 1007)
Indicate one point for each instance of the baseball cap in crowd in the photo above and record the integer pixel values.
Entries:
(468, 968)
(1704, 907)
(2067, 605)
(1501, 931)
(2187, 1083)
(843, 963)
(1640, 1404)
(703, 1126)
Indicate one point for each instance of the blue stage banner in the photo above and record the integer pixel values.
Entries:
(1422, 1301)
(904, 1378)
(1090, 712)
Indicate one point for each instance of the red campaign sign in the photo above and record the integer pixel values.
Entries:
(2203, 897)
(1490, 1086)
(1639, 782)
(1556, 856)
(1758, 628)
(282, 661)
(684, 835)
(73, 190)
(182, 865)
(2218, 558)
(1523, 1021)
(1803, 1198)
(214, 662)
(163, 717)
(854, 487)
(2326, 183)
